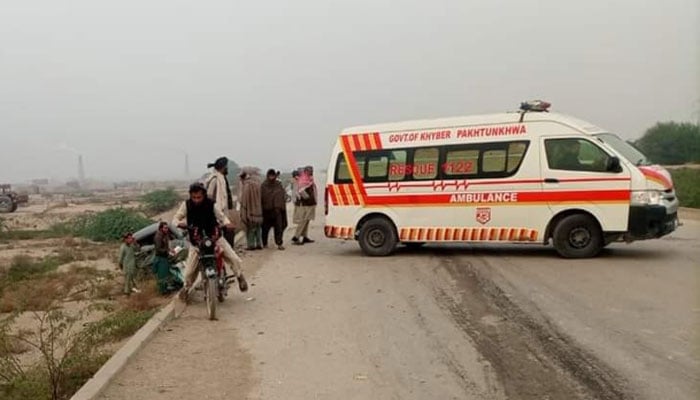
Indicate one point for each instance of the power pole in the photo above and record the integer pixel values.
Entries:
(187, 165)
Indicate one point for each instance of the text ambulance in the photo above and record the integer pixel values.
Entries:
(524, 177)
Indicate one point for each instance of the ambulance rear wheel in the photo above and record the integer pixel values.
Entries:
(578, 236)
(378, 237)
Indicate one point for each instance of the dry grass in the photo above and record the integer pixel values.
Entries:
(41, 292)
(148, 299)
(13, 346)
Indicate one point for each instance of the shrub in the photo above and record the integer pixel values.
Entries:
(687, 184)
(69, 357)
(160, 200)
(104, 226)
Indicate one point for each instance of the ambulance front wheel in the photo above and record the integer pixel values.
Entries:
(578, 236)
(378, 237)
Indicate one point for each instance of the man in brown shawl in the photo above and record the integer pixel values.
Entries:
(251, 210)
(274, 208)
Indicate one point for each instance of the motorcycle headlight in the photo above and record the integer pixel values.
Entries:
(645, 197)
(207, 243)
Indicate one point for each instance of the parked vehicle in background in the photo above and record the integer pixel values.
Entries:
(10, 200)
(526, 177)
(178, 249)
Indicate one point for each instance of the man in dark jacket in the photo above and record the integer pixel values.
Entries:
(199, 212)
(161, 261)
(274, 208)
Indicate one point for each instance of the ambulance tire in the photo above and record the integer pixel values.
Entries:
(578, 236)
(378, 237)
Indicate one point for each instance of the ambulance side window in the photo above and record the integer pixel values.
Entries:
(516, 153)
(397, 165)
(575, 155)
(342, 172)
(460, 162)
(377, 168)
(425, 163)
(494, 161)
(483, 160)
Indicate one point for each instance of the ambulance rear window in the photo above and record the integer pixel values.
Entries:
(342, 172)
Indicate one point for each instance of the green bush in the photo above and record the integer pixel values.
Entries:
(104, 226)
(687, 183)
(160, 200)
(671, 143)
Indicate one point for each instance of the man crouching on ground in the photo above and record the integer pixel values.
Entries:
(199, 212)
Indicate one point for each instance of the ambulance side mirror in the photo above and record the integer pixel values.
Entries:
(614, 165)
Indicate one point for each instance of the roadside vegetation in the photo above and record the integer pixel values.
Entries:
(104, 226)
(687, 182)
(675, 144)
(62, 312)
(59, 325)
(671, 143)
(160, 201)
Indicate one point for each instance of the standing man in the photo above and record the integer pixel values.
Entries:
(274, 208)
(219, 191)
(251, 210)
(199, 212)
(306, 211)
(127, 263)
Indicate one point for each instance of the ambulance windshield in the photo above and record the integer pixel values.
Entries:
(625, 149)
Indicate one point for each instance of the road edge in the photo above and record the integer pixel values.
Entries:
(104, 376)
(692, 214)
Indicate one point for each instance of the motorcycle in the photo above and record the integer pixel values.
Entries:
(211, 267)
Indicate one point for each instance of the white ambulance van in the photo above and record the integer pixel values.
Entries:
(523, 177)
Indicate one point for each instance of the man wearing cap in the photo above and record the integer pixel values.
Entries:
(219, 191)
(274, 208)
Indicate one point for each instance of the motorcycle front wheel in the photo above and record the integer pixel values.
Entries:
(211, 289)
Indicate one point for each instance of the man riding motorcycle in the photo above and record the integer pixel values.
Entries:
(199, 212)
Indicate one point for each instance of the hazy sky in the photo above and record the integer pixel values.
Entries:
(134, 84)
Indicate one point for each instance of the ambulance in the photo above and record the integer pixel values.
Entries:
(529, 176)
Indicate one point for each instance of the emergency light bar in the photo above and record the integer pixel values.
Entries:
(535, 105)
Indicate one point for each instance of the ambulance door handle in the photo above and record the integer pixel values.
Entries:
(551, 180)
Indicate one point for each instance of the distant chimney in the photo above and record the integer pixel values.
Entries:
(81, 169)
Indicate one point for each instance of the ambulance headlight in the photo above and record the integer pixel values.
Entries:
(645, 198)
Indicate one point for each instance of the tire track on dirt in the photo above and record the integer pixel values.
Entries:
(532, 359)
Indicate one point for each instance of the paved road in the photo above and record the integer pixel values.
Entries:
(468, 322)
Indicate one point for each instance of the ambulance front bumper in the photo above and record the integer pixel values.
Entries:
(651, 221)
